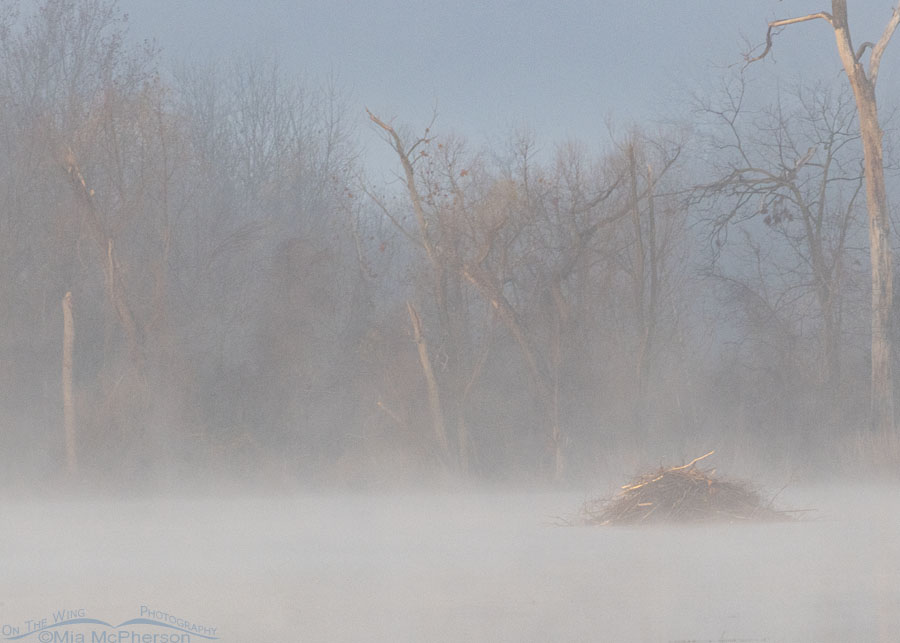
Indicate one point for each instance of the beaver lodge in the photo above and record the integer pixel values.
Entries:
(682, 494)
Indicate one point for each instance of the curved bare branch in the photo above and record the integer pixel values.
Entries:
(878, 49)
(783, 23)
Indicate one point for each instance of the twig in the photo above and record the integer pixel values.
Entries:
(692, 462)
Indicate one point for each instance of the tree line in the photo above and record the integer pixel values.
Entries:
(198, 276)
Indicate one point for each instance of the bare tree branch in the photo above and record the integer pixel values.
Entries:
(396, 223)
(783, 23)
(409, 170)
(862, 49)
(878, 49)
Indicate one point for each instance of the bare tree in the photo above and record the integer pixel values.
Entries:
(269, 260)
(84, 127)
(440, 241)
(530, 243)
(655, 220)
(863, 83)
(794, 168)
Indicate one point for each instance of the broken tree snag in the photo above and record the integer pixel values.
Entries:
(434, 396)
(115, 287)
(68, 401)
(863, 85)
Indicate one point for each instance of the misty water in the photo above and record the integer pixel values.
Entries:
(464, 566)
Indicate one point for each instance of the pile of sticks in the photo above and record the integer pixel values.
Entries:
(681, 494)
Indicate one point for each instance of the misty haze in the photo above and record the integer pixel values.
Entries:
(448, 322)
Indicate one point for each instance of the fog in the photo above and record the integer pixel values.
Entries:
(322, 322)
(454, 566)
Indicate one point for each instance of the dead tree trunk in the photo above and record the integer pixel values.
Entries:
(882, 409)
(882, 401)
(68, 401)
(115, 288)
(434, 395)
(863, 85)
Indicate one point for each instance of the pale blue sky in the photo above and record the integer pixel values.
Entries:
(561, 68)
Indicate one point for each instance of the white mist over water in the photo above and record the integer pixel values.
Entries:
(458, 567)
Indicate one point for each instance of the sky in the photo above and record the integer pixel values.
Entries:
(562, 70)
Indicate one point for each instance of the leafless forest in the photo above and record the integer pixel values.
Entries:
(200, 278)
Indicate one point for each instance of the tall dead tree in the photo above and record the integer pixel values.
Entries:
(424, 236)
(115, 287)
(446, 260)
(863, 84)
